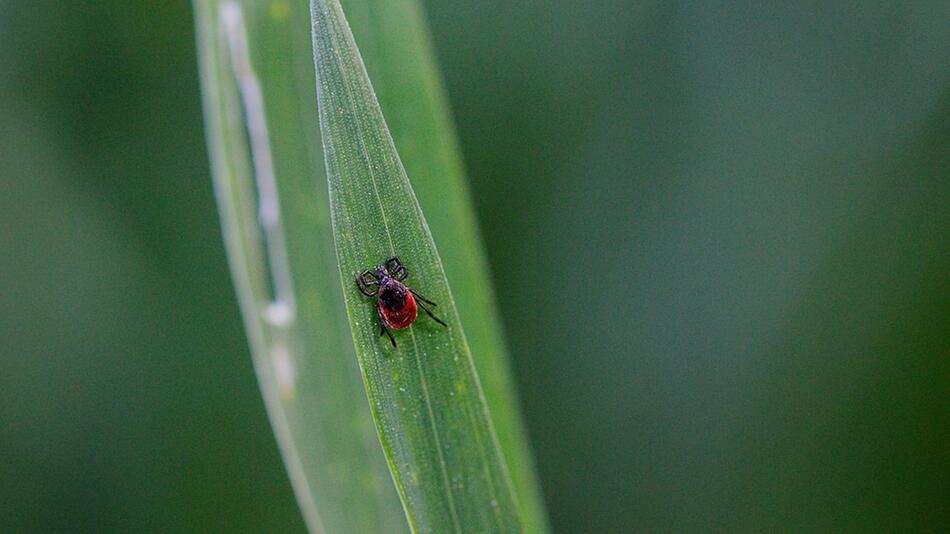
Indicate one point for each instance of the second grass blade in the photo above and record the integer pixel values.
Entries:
(257, 75)
(428, 405)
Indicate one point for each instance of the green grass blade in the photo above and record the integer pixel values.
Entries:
(263, 136)
(430, 411)
(395, 45)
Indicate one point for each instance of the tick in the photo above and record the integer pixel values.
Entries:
(396, 303)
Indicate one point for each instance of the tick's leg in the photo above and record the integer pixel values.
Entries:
(420, 297)
(393, 264)
(384, 330)
(369, 290)
(369, 277)
(396, 269)
(401, 273)
(440, 321)
(367, 282)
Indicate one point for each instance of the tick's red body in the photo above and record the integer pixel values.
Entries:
(396, 302)
(396, 305)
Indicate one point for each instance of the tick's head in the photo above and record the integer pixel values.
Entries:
(393, 295)
(382, 274)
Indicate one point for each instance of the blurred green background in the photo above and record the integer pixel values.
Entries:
(720, 234)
